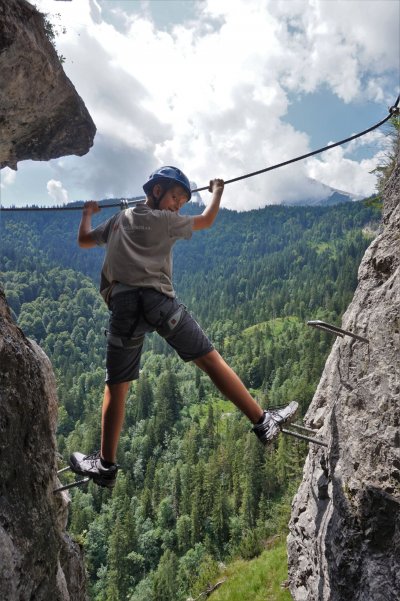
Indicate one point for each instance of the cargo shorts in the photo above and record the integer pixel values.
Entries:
(139, 311)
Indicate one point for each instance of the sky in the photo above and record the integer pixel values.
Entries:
(221, 88)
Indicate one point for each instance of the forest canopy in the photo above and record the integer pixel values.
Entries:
(196, 488)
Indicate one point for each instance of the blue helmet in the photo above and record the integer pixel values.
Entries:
(167, 176)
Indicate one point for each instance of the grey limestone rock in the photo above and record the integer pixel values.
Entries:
(37, 558)
(344, 540)
(41, 115)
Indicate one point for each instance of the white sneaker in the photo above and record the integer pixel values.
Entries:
(91, 466)
(273, 421)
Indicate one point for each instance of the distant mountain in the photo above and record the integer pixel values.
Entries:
(325, 197)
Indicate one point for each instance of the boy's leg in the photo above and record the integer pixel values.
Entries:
(229, 383)
(267, 424)
(101, 465)
(189, 340)
(112, 419)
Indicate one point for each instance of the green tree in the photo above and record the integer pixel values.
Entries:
(165, 579)
(144, 398)
(386, 167)
(168, 402)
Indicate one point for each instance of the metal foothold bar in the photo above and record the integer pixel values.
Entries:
(322, 325)
(64, 469)
(72, 485)
(302, 428)
(307, 438)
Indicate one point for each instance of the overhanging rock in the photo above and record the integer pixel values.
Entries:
(42, 116)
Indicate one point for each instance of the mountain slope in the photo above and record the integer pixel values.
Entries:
(195, 487)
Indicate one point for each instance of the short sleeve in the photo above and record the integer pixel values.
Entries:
(101, 233)
(179, 226)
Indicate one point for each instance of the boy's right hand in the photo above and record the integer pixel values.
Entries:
(216, 185)
(91, 207)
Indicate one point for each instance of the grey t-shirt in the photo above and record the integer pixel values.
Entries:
(139, 247)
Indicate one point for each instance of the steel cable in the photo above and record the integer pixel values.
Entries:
(393, 110)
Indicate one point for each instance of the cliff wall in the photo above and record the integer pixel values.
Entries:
(344, 536)
(37, 559)
(41, 117)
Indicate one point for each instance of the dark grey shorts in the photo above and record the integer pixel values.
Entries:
(137, 312)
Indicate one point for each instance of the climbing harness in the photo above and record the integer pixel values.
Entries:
(124, 342)
(165, 326)
(393, 111)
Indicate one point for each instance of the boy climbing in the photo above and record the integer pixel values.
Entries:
(136, 283)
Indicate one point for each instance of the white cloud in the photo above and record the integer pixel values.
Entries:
(56, 192)
(7, 177)
(337, 169)
(211, 94)
(342, 173)
(337, 43)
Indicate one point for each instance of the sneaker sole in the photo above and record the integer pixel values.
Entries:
(104, 482)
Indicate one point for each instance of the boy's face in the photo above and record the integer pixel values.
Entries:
(173, 199)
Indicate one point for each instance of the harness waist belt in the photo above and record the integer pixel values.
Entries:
(118, 287)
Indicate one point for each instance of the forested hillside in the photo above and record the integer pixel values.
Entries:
(196, 488)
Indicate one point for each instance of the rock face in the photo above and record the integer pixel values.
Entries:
(37, 559)
(41, 115)
(344, 541)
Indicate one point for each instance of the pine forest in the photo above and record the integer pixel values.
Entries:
(196, 493)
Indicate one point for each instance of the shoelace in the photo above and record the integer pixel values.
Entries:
(93, 457)
(276, 418)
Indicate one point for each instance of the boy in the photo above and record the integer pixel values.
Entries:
(136, 283)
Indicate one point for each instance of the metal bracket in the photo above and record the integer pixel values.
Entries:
(322, 325)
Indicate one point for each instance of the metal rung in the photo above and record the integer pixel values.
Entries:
(302, 437)
(72, 485)
(322, 325)
(64, 469)
(303, 428)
